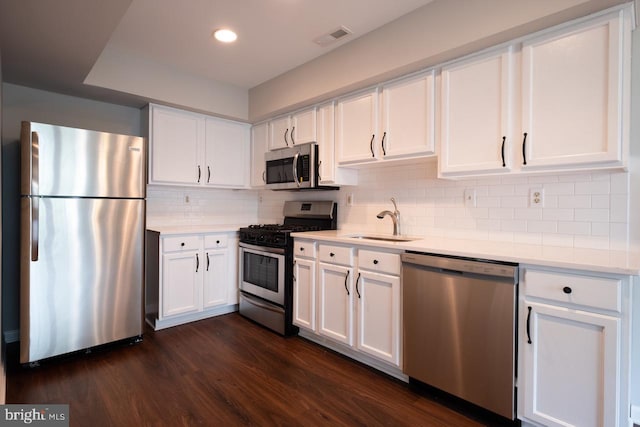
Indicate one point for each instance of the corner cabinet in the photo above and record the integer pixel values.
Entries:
(259, 143)
(348, 299)
(191, 149)
(559, 101)
(189, 277)
(573, 348)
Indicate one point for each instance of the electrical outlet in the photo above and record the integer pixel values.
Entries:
(470, 197)
(186, 198)
(350, 199)
(260, 199)
(536, 197)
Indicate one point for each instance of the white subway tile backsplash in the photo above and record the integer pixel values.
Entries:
(582, 210)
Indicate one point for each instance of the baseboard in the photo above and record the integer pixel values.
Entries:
(635, 414)
(12, 336)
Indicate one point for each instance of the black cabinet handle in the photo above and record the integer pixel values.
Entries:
(384, 151)
(197, 262)
(286, 132)
(524, 149)
(567, 290)
(345, 283)
(357, 280)
(199, 174)
(318, 171)
(264, 179)
(301, 249)
(182, 244)
(294, 271)
(208, 174)
(331, 254)
(375, 261)
(217, 242)
(293, 141)
(371, 145)
(207, 261)
(529, 326)
(504, 138)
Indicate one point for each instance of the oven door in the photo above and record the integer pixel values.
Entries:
(262, 272)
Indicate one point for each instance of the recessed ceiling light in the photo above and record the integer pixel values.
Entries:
(225, 35)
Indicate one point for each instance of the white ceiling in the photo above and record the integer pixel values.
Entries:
(53, 44)
(273, 35)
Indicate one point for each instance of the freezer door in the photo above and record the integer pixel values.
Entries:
(62, 161)
(83, 286)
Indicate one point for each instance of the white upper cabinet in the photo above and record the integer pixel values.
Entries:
(297, 128)
(476, 115)
(279, 133)
(407, 117)
(573, 86)
(558, 103)
(196, 150)
(259, 143)
(303, 127)
(226, 153)
(176, 138)
(356, 127)
(328, 173)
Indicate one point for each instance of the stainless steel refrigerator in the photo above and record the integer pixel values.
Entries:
(81, 239)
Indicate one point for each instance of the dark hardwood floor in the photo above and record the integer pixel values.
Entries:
(224, 371)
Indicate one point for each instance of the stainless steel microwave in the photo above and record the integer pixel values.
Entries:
(293, 168)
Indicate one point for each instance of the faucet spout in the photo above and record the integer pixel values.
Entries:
(395, 217)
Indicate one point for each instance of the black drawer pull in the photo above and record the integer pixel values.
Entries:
(567, 290)
(331, 254)
(182, 244)
(301, 249)
(375, 261)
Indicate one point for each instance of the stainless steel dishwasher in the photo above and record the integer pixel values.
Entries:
(459, 334)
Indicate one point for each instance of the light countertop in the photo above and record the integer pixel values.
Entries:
(592, 260)
(194, 229)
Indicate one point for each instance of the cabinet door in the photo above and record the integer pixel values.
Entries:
(303, 127)
(378, 301)
(227, 153)
(176, 138)
(326, 143)
(476, 122)
(279, 133)
(356, 124)
(181, 283)
(408, 113)
(571, 367)
(572, 96)
(336, 302)
(259, 142)
(216, 278)
(304, 293)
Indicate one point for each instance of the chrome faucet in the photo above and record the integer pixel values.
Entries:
(395, 216)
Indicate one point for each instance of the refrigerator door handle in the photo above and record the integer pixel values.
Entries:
(34, 227)
(35, 163)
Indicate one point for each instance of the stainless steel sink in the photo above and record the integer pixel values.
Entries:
(384, 238)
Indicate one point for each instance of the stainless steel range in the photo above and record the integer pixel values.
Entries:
(266, 263)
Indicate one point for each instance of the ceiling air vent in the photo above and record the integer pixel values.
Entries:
(332, 37)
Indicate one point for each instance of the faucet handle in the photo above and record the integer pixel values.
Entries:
(393, 200)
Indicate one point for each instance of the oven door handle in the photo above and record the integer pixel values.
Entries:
(260, 304)
(262, 250)
(295, 168)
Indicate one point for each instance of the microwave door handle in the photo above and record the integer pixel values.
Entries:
(295, 169)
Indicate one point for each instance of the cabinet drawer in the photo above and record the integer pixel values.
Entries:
(336, 254)
(181, 243)
(381, 262)
(215, 241)
(597, 292)
(304, 248)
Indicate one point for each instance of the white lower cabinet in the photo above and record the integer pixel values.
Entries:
(189, 277)
(571, 354)
(356, 302)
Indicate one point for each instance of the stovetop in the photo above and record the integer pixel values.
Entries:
(274, 235)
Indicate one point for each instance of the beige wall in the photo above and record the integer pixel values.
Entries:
(440, 31)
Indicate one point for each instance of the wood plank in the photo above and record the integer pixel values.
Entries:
(224, 371)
